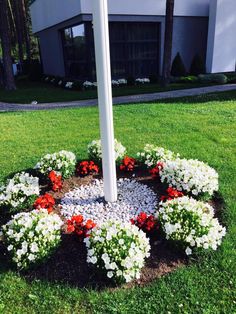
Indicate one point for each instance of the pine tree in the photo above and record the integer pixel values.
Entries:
(169, 21)
(9, 80)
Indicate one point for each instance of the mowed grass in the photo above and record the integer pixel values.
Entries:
(42, 92)
(200, 127)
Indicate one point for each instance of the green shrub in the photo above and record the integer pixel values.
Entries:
(35, 71)
(178, 68)
(130, 81)
(231, 77)
(213, 78)
(188, 79)
(197, 66)
(78, 85)
(153, 79)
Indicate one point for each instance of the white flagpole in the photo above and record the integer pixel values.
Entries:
(103, 70)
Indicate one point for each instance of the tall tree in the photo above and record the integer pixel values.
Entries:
(9, 80)
(27, 25)
(19, 22)
(169, 21)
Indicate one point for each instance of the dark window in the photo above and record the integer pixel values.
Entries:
(134, 50)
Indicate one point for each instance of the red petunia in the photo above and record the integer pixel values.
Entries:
(45, 201)
(155, 171)
(86, 168)
(171, 194)
(55, 181)
(145, 222)
(128, 164)
(77, 225)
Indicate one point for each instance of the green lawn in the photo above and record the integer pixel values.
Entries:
(201, 127)
(44, 92)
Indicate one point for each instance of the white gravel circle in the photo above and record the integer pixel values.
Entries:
(88, 200)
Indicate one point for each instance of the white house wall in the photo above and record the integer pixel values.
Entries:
(221, 52)
(46, 13)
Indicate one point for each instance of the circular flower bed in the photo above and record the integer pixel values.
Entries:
(115, 233)
(88, 200)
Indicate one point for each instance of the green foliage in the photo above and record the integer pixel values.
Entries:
(178, 68)
(35, 72)
(231, 77)
(213, 78)
(197, 66)
(130, 81)
(153, 79)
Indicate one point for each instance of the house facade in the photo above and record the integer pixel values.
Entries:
(137, 27)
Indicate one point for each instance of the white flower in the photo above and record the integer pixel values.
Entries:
(189, 175)
(126, 266)
(190, 222)
(95, 150)
(62, 162)
(188, 251)
(27, 244)
(19, 191)
(110, 274)
(151, 155)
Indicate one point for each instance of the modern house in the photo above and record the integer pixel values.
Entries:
(65, 32)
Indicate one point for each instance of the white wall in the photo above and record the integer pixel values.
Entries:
(46, 13)
(221, 52)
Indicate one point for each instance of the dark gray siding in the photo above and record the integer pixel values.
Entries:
(190, 37)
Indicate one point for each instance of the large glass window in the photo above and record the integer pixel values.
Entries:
(134, 50)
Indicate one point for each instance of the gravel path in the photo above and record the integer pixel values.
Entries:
(5, 107)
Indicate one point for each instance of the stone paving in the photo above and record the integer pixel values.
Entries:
(7, 107)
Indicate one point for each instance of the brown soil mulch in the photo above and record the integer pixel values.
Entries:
(68, 264)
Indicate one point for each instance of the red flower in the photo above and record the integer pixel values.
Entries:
(128, 164)
(145, 222)
(171, 194)
(155, 171)
(77, 219)
(45, 201)
(86, 168)
(77, 225)
(55, 181)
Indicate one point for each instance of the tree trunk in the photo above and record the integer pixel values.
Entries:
(169, 20)
(18, 13)
(26, 22)
(9, 80)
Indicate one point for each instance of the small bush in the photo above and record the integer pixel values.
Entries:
(19, 192)
(231, 77)
(118, 249)
(62, 163)
(153, 79)
(78, 85)
(35, 71)
(197, 66)
(188, 79)
(191, 223)
(151, 155)
(213, 78)
(95, 150)
(191, 176)
(31, 237)
(130, 81)
(178, 68)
